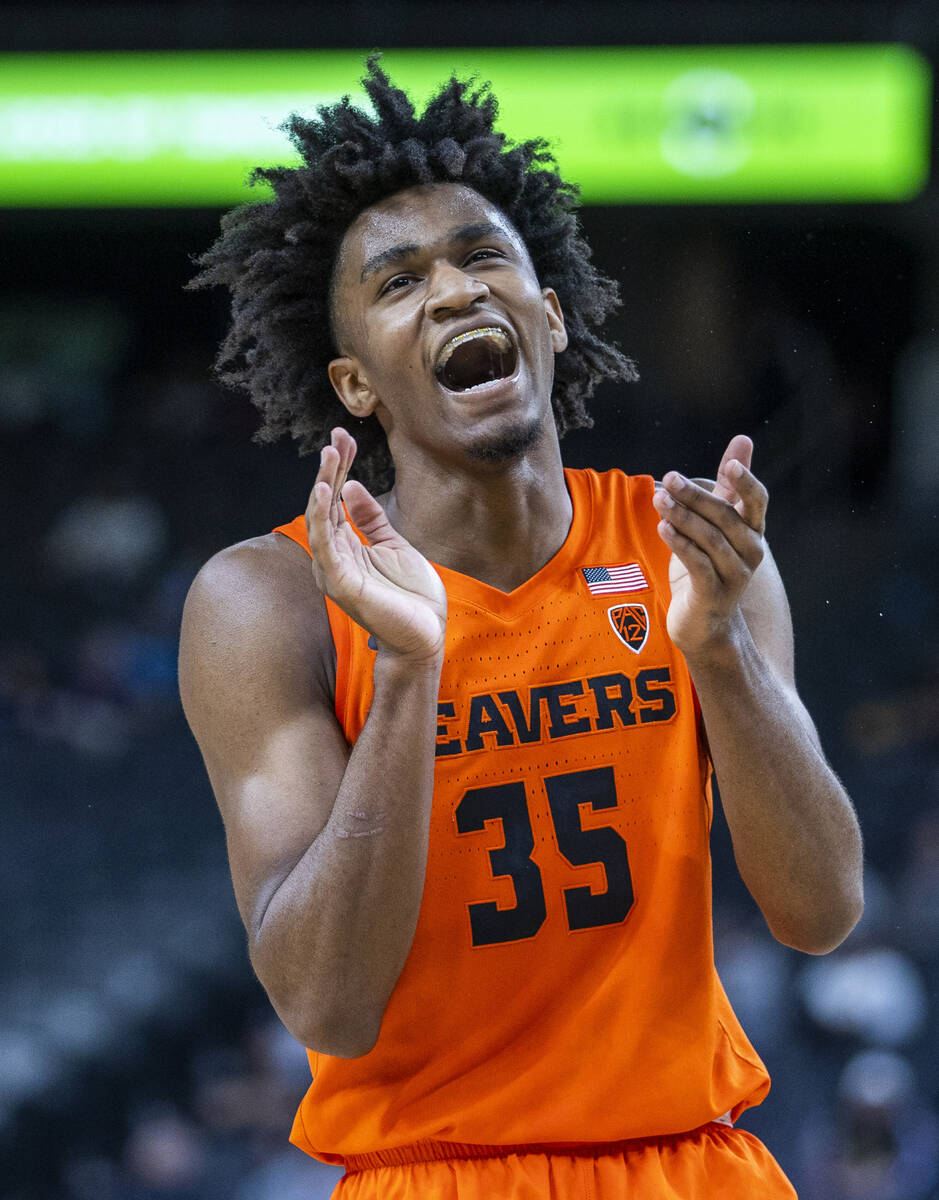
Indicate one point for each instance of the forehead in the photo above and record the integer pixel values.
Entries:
(419, 217)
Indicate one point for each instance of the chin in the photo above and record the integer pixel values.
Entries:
(507, 444)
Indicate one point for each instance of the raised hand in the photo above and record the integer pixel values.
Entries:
(386, 586)
(716, 540)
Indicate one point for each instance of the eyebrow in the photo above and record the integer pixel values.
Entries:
(459, 233)
(385, 259)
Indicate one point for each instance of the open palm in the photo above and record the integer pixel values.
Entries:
(383, 583)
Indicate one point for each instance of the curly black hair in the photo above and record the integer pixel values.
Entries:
(277, 257)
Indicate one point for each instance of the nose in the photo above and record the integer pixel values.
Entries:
(452, 289)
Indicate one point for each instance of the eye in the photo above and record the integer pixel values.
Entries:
(484, 253)
(396, 283)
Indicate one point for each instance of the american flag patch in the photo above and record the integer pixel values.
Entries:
(603, 581)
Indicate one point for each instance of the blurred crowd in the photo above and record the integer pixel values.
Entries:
(223, 1138)
(138, 1059)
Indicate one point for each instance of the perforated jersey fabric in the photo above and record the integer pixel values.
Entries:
(561, 988)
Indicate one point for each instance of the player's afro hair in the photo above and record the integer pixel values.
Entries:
(277, 256)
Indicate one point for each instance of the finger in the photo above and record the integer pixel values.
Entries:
(343, 442)
(707, 538)
(329, 468)
(342, 439)
(713, 511)
(749, 495)
(753, 498)
(320, 526)
(739, 449)
(368, 515)
(740, 553)
(323, 492)
(696, 562)
(337, 475)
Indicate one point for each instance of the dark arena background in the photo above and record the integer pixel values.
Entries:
(139, 1060)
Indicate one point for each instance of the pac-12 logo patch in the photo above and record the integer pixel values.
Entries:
(630, 624)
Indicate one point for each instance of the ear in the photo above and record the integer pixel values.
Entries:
(552, 307)
(351, 385)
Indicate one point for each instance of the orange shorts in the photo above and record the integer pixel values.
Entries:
(715, 1162)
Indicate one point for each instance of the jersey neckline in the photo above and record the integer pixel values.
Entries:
(567, 558)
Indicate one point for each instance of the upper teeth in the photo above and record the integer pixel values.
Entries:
(490, 331)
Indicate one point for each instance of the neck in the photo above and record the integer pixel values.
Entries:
(500, 523)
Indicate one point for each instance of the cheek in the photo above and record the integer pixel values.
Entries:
(395, 367)
(391, 341)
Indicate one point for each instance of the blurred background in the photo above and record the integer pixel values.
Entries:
(795, 300)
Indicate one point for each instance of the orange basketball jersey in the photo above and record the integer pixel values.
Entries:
(561, 985)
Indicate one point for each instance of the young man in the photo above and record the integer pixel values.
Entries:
(463, 763)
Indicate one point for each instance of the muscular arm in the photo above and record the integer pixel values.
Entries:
(327, 846)
(795, 835)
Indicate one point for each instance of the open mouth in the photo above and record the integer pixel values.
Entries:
(475, 358)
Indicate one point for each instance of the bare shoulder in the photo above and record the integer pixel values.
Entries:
(255, 583)
(254, 622)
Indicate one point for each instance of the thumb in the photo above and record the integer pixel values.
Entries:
(739, 448)
(367, 514)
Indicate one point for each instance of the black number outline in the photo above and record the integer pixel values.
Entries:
(507, 803)
(599, 845)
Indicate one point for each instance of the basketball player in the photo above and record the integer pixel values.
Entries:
(461, 724)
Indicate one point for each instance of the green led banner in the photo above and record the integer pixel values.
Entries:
(702, 124)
